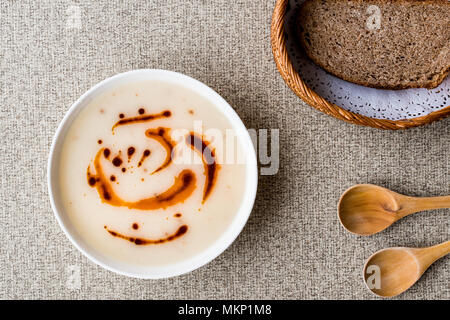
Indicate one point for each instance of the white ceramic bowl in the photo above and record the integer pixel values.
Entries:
(214, 249)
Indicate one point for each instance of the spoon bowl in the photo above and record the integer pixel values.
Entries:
(396, 268)
(367, 209)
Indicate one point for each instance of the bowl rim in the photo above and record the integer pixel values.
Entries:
(206, 255)
(303, 91)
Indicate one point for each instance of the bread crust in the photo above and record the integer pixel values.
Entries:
(429, 85)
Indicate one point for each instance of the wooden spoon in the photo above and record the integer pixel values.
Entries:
(392, 271)
(366, 209)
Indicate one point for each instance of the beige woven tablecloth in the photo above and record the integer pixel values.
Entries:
(293, 246)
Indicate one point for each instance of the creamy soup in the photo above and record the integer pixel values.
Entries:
(149, 174)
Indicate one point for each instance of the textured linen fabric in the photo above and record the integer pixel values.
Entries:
(293, 246)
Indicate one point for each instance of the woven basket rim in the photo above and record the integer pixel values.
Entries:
(302, 90)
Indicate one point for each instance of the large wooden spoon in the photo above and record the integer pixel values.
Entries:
(392, 271)
(366, 209)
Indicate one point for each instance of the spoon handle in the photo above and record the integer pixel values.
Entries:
(443, 249)
(431, 254)
(413, 205)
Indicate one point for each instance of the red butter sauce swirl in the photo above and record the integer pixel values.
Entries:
(142, 118)
(163, 137)
(210, 165)
(182, 188)
(143, 241)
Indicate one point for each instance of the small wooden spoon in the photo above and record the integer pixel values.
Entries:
(366, 209)
(392, 271)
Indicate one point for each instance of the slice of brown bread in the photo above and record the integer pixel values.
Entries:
(407, 47)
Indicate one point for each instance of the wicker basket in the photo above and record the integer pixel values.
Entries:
(295, 82)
